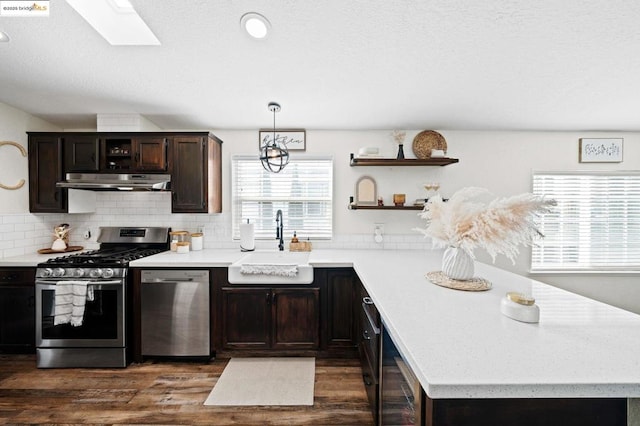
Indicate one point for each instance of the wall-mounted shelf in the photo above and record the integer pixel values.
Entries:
(355, 207)
(404, 162)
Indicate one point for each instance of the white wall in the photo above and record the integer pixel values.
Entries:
(500, 161)
(13, 166)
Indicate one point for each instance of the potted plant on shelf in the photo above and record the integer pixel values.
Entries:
(466, 222)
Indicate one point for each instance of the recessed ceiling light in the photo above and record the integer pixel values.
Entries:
(4, 37)
(256, 25)
(116, 21)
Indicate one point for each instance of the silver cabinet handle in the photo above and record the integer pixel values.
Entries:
(376, 329)
(367, 300)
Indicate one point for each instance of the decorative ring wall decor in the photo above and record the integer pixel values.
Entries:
(21, 183)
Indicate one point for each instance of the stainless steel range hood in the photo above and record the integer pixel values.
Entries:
(116, 181)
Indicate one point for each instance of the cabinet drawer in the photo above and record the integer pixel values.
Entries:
(370, 379)
(370, 332)
(17, 276)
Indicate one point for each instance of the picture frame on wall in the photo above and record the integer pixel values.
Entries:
(600, 150)
(292, 139)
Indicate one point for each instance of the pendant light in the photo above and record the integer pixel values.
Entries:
(274, 155)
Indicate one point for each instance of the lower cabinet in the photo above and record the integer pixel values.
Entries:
(17, 310)
(270, 318)
(339, 326)
(369, 332)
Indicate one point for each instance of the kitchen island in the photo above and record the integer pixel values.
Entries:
(459, 344)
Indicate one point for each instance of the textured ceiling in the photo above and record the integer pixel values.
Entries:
(336, 64)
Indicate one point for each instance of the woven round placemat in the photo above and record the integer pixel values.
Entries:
(474, 284)
(427, 140)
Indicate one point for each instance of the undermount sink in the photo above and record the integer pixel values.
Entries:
(272, 267)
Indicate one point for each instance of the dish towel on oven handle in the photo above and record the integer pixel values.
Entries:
(70, 300)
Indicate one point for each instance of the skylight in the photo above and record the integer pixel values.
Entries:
(116, 21)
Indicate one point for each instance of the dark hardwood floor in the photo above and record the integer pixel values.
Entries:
(165, 393)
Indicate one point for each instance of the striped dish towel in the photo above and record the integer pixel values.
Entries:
(70, 299)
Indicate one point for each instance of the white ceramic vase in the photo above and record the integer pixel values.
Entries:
(457, 264)
(58, 245)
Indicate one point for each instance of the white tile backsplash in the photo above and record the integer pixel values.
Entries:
(27, 233)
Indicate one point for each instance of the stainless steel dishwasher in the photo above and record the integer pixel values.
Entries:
(175, 313)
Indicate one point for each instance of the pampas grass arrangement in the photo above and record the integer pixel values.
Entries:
(499, 226)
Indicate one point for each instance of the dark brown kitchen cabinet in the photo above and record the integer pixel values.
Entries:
(192, 158)
(196, 174)
(81, 153)
(150, 154)
(339, 328)
(45, 169)
(17, 310)
(296, 318)
(369, 334)
(246, 317)
(270, 318)
(129, 153)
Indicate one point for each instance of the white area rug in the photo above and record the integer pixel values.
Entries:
(265, 381)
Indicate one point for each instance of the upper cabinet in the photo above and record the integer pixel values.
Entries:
(45, 169)
(192, 158)
(150, 153)
(133, 153)
(196, 174)
(81, 153)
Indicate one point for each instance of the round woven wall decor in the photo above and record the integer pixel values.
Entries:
(427, 140)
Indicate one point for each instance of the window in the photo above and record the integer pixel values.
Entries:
(303, 191)
(595, 226)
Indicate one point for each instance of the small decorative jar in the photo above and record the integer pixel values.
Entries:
(177, 237)
(182, 247)
(196, 241)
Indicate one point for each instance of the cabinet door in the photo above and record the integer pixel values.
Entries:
(246, 317)
(45, 169)
(150, 154)
(189, 184)
(81, 153)
(296, 318)
(17, 311)
(341, 327)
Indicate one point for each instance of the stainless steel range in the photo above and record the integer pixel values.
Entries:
(82, 300)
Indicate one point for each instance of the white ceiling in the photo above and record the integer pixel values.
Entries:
(338, 64)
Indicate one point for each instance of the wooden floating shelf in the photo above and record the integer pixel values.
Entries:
(354, 207)
(404, 162)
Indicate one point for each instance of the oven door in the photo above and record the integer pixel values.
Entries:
(103, 321)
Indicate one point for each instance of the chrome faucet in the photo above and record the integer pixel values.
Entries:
(279, 230)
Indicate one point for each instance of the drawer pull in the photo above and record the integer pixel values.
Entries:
(367, 300)
(367, 380)
(372, 322)
(365, 335)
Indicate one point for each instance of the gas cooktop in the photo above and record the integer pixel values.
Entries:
(104, 257)
(118, 246)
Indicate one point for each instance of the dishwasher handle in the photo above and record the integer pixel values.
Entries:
(174, 276)
(167, 280)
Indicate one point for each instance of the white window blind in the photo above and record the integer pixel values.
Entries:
(595, 226)
(303, 191)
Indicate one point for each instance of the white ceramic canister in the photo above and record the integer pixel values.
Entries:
(182, 247)
(197, 240)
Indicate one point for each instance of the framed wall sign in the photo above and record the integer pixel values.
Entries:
(600, 150)
(293, 139)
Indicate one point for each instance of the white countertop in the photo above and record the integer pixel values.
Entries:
(458, 343)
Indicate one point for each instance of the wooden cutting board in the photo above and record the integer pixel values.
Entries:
(67, 250)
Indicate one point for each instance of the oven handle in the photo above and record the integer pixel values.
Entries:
(96, 285)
